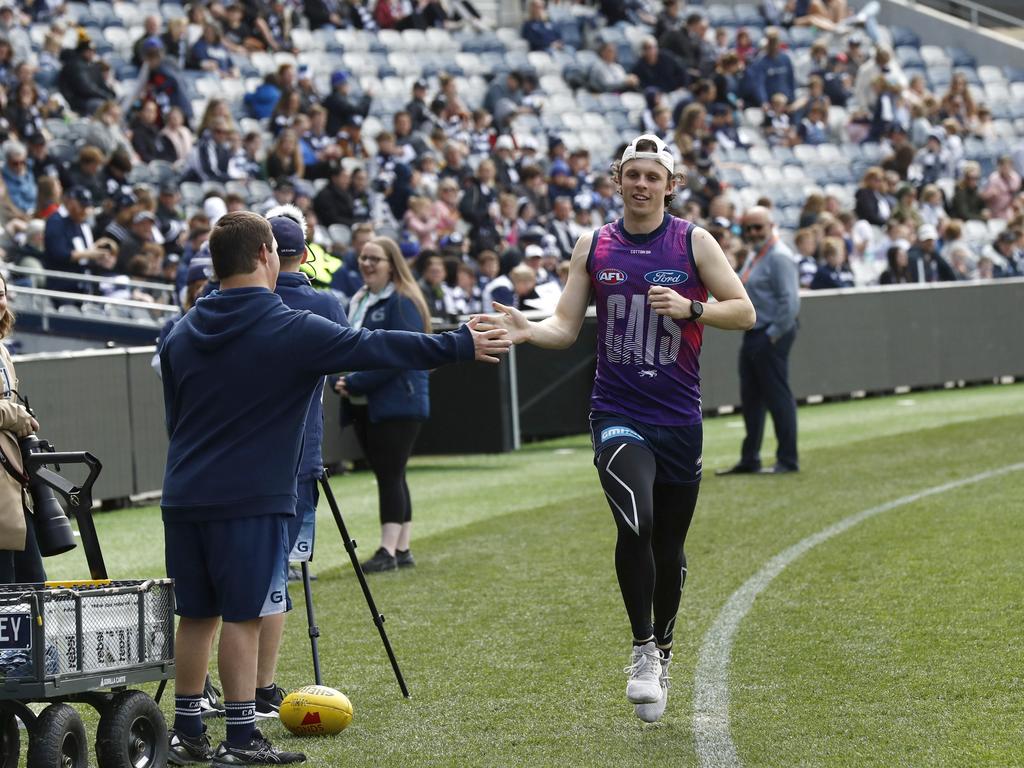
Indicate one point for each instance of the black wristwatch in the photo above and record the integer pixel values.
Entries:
(696, 310)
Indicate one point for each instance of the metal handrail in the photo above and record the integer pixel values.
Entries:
(86, 298)
(84, 278)
(974, 10)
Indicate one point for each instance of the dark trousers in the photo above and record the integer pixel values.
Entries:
(24, 567)
(764, 386)
(387, 446)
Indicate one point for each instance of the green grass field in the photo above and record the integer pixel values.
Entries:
(896, 643)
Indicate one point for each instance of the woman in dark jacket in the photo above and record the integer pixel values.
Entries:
(871, 203)
(147, 139)
(387, 407)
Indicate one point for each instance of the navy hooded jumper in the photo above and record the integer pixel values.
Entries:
(239, 373)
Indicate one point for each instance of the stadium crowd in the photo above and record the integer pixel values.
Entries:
(128, 130)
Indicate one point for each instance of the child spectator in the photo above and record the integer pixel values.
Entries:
(421, 222)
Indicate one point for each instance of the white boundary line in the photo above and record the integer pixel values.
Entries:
(712, 737)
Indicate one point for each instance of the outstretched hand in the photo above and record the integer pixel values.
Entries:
(510, 319)
(488, 342)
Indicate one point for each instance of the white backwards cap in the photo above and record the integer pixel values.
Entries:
(663, 155)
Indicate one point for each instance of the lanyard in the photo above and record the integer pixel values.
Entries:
(751, 263)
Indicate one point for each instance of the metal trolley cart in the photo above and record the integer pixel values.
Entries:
(86, 643)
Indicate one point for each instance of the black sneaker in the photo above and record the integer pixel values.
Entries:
(185, 750)
(211, 705)
(269, 704)
(259, 751)
(295, 573)
(381, 561)
(404, 558)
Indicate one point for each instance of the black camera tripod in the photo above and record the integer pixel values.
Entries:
(378, 617)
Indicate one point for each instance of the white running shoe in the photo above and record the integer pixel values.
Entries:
(643, 686)
(651, 713)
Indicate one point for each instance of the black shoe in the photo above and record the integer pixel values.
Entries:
(259, 751)
(779, 469)
(404, 558)
(295, 573)
(211, 704)
(381, 561)
(268, 701)
(738, 469)
(185, 750)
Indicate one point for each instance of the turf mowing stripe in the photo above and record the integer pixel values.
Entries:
(712, 738)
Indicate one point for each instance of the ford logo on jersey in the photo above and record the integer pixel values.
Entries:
(611, 276)
(666, 277)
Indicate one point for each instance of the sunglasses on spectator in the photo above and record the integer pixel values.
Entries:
(753, 227)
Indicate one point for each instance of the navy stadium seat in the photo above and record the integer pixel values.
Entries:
(1014, 74)
(960, 57)
(802, 37)
(902, 36)
(909, 57)
(571, 33)
(721, 16)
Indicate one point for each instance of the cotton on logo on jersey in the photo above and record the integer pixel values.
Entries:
(666, 277)
(611, 276)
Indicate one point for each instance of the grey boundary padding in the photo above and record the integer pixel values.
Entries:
(109, 402)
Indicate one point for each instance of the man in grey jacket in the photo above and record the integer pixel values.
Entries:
(770, 276)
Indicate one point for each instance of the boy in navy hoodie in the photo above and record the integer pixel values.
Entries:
(239, 373)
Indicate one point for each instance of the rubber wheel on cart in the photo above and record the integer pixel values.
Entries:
(132, 732)
(10, 741)
(58, 739)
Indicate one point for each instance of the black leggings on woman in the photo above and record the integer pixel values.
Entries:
(387, 446)
(652, 520)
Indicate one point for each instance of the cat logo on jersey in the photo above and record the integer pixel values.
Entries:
(611, 276)
(666, 277)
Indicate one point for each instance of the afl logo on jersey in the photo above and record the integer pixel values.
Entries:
(611, 276)
(666, 277)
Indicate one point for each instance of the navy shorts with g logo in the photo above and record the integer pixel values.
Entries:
(236, 568)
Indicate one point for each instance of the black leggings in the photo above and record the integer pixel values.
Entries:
(652, 520)
(387, 446)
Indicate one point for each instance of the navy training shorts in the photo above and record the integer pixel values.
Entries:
(302, 526)
(678, 451)
(236, 568)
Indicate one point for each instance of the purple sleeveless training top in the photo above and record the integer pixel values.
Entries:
(648, 366)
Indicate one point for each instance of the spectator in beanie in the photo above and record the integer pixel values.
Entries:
(80, 80)
(341, 106)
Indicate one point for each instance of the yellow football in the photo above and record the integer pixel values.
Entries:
(316, 710)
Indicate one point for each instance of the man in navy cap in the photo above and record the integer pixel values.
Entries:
(341, 106)
(69, 245)
(117, 227)
(295, 290)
